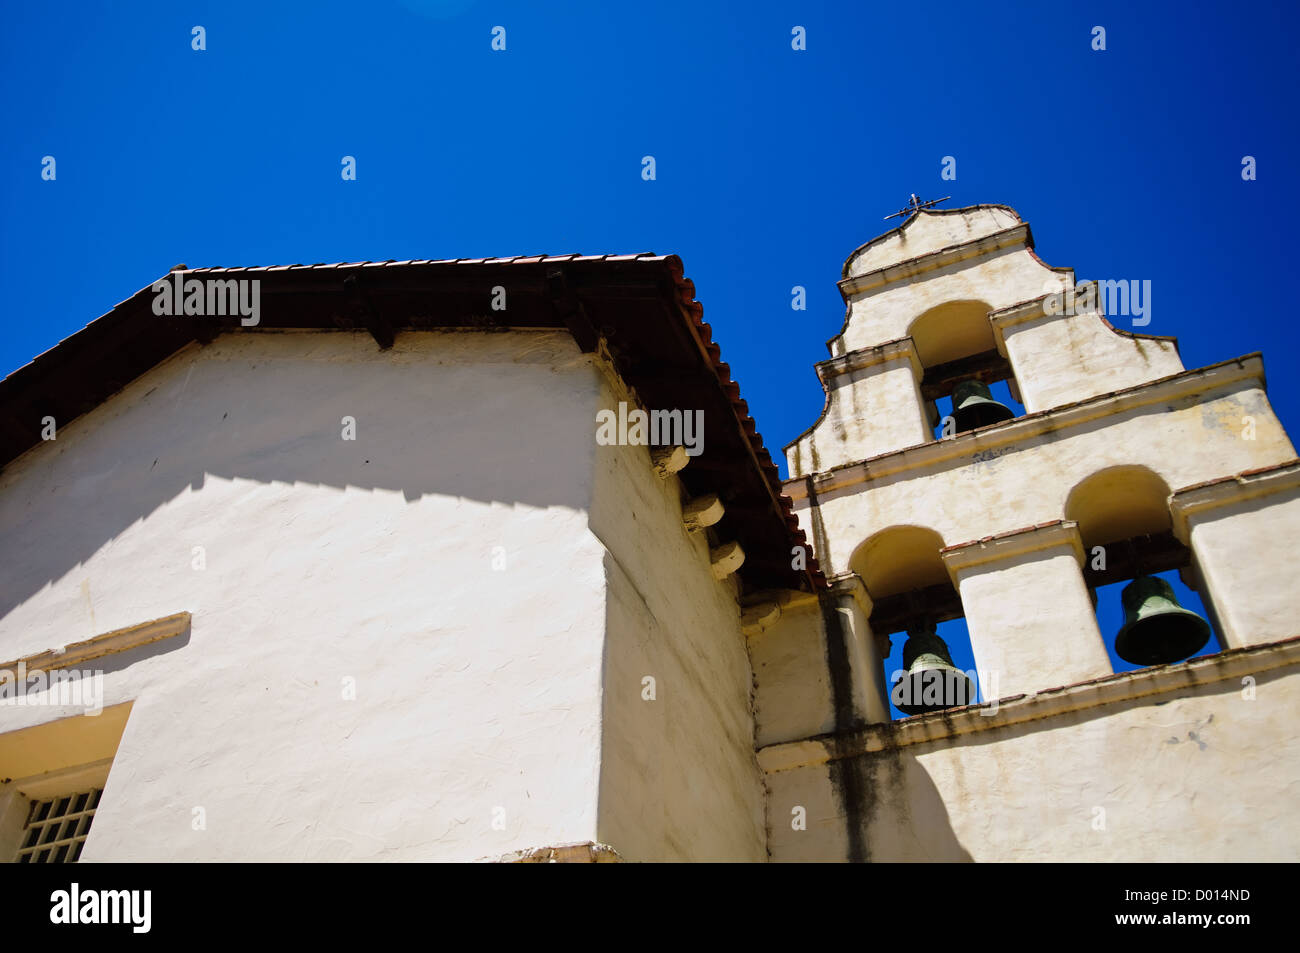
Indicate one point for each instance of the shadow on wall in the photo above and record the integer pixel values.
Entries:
(900, 816)
(499, 431)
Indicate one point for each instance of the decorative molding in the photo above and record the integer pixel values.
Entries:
(1015, 236)
(849, 585)
(110, 643)
(1191, 503)
(1042, 707)
(904, 349)
(1033, 310)
(936, 454)
(980, 553)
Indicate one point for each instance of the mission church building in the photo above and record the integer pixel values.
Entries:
(487, 560)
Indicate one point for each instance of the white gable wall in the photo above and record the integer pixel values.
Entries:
(329, 560)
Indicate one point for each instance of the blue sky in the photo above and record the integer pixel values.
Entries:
(772, 164)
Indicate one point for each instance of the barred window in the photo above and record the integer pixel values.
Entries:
(56, 828)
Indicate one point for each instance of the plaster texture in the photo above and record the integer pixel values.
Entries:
(466, 567)
(1028, 612)
(1200, 774)
(1243, 533)
(679, 781)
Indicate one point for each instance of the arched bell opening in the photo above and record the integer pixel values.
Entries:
(1143, 579)
(966, 383)
(929, 665)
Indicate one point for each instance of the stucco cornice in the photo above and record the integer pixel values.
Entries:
(1035, 309)
(915, 217)
(992, 551)
(1047, 709)
(109, 643)
(1189, 504)
(995, 439)
(1016, 235)
(849, 585)
(904, 349)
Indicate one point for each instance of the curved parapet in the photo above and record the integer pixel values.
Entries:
(929, 231)
(1063, 349)
(959, 294)
(984, 252)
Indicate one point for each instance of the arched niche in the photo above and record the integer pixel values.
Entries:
(1119, 503)
(952, 331)
(1123, 516)
(899, 559)
(954, 343)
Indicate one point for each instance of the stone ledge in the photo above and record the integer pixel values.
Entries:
(1023, 312)
(1190, 503)
(1041, 706)
(904, 349)
(949, 451)
(999, 548)
(1015, 236)
(110, 643)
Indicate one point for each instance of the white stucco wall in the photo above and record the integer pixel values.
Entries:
(329, 559)
(679, 780)
(1203, 774)
(981, 484)
(868, 410)
(1244, 552)
(1030, 619)
(794, 697)
(1058, 359)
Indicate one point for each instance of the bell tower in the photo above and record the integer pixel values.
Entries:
(993, 446)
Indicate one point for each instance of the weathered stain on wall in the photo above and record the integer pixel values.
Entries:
(1156, 779)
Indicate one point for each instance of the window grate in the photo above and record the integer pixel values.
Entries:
(56, 829)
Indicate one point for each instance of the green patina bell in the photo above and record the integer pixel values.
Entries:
(973, 406)
(931, 682)
(1156, 628)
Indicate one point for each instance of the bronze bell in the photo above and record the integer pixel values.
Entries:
(1156, 628)
(973, 406)
(932, 682)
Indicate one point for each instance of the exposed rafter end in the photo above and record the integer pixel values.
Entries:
(702, 511)
(754, 619)
(374, 322)
(569, 309)
(726, 559)
(669, 460)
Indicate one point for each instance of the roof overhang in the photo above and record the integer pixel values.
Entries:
(638, 309)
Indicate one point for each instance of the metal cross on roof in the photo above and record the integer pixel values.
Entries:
(917, 205)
